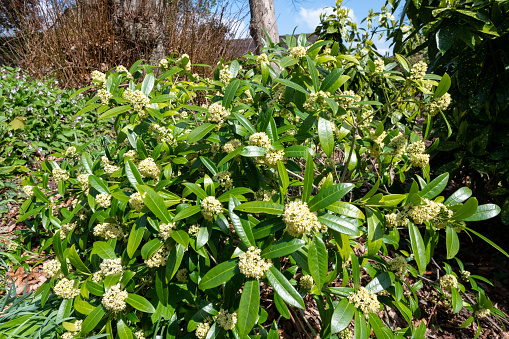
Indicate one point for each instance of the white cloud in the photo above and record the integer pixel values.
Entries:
(310, 17)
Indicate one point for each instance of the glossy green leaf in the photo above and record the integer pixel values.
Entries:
(342, 316)
(459, 196)
(435, 187)
(260, 207)
(150, 248)
(329, 195)
(326, 135)
(452, 242)
(155, 203)
(93, 319)
(229, 92)
(199, 133)
(318, 261)
(418, 248)
(484, 212)
(219, 274)
(467, 210)
(443, 86)
(98, 184)
(140, 303)
(104, 250)
(282, 248)
(283, 287)
(339, 224)
(133, 175)
(187, 212)
(114, 112)
(241, 225)
(248, 307)
(75, 260)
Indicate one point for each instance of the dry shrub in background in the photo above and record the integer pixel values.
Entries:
(68, 39)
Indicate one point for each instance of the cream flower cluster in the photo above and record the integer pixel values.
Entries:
(299, 220)
(398, 266)
(109, 230)
(262, 59)
(448, 281)
(103, 199)
(59, 174)
(139, 335)
(231, 145)
(439, 104)
(399, 145)
(396, 219)
(263, 195)
(28, 190)
(379, 65)
(159, 258)
(66, 229)
(114, 299)
(416, 154)
(306, 282)
(225, 76)
(193, 230)
(346, 102)
(260, 139)
(182, 275)
(108, 165)
(131, 155)
(272, 157)
(345, 334)
(148, 168)
(298, 52)
(482, 312)
(366, 118)
(430, 211)
(136, 201)
(378, 143)
(418, 70)
(65, 289)
(108, 267)
(252, 265)
(210, 206)
(99, 77)
(104, 95)
(218, 113)
(224, 179)
(226, 320)
(180, 62)
(365, 301)
(163, 63)
(122, 69)
(83, 180)
(163, 134)
(70, 152)
(139, 101)
(73, 334)
(202, 330)
(52, 267)
(165, 230)
(315, 98)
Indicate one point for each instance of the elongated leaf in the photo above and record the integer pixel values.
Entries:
(283, 287)
(93, 319)
(148, 84)
(95, 288)
(87, 163)
(88, 108)
(333, 81)
(133, 175)
(467, 210)
(155, 203)
(308, 178)
(187, 212)
(488, 241)
(229, 92)
(104, 250)
(375, 231)
(380, 283)
(314, 74)
(282, 248)
(457, 302)
(459, 196)
(443, 86)
(346, 209)
(219, 274)
(140, 303)
(253, 151)
(342, 316)
(326, 136)
(318, 261)
(124, 332)
(197, 190)
(329, 195)
(75, 260)
(260, 207)
(452, 242)
(181, 237)
(241, 225)
(244, 122)
(136, 236)
(435, 187)
(339, 225)
(293, 85)
(248, 307)
(298, 151)
(418, 248)
(484, 212)
(150, 248)
(114, 112)
(199, 133)
(98, 184)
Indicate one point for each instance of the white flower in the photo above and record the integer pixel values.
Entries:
(260, 139)
(299, 220)
(210, 206)
(202, 330)
(70, 152)
(297, 52)
(108, 230)
(226, 320)
(365, 301)
(418, 70)
(28, 190)
(148, 168)
(159, 258)
(182, 275)
(136, 201)
(306, 282)
(224, 179)
(65, 289)
(83, 180)
(59, 174)
(114, 299)
(218, 113)
(139, 101)
(448, 281)
(165, 230)
(252, 265)
(232, 145)
(103, 199)
(398, 266)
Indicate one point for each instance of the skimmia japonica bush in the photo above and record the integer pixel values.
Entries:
(260, 181)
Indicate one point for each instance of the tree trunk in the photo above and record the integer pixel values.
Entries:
(263, 16)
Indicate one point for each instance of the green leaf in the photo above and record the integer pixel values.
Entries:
(83, 307)
(136, 236)
(283, 287)
(114, 112)
(148, 84)
(283, 175)
(253, 151)
(467, 210)
(39, 195)
(187, 212)
(150, 248)
(298, 151)
(75, 260)
(326, 136)
(124, 332)
(403, 62)
(219, 274)
(197, 190)
(313, 73)
(457, 302)
(230, 156)
(329, 195)
(443, 86)
(418, 248)
(308, 178)
(87, 163)
(375, 232)
(380, 283)
(339, 224)
(459, 196)
(229, 92)
(488, 241)
(318, 261)
(199, 132)
(98, 184)
(154, 203)
(140, 303)
(333, 81)
(95, 288)
(248, 307)
(260, 207)
(346, 209)
(483, 212)
(133, 175)
(174, 260)
(282, 248)
(342, 316)
(241, 225)
(181, 237)
(435, 187)
(244, 122)
(104, 250)
(88, 108)
(452, 242)
(93, 319)
(293, 85)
